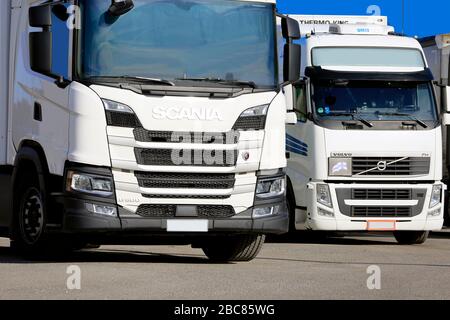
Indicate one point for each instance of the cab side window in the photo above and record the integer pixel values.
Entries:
(300, 102)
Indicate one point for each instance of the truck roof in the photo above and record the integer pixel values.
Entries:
(337, 40)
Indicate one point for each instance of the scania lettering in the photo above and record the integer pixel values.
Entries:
(366, 153)
(144, 120)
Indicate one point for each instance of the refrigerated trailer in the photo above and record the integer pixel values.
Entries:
(144, 119)
(437, 51)
(366, 153)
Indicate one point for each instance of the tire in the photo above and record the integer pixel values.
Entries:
(30, 214)
(234, 248)
(411, 237)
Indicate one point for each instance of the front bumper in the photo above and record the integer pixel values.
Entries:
(339, 218)
(77, 220)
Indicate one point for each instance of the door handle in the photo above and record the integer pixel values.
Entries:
(37, 112)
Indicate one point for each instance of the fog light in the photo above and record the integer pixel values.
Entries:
(324, 195)
(325, 213)
(265, 212)
(434, 213)
(103, 210)
(436, 195)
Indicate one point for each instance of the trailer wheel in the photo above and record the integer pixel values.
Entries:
(411, 237)
(234, 248)
(30, 214)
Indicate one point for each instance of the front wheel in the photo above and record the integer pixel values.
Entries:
(30, 216)
(411, 237)
(234, 248)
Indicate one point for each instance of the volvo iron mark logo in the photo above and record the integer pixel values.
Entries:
(382, 165)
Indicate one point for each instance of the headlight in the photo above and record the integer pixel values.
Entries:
(252, 119)
(436, 195)
(95, 185)
(120, 115)
(271, 188)
(324, 195)
(340, 167)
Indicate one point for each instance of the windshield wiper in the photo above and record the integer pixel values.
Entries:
(250, 84)
(140, 80)
(354, 117)
(397, 114)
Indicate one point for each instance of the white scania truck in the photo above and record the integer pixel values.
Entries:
(437, 51)
(126, 119)
(366, 153)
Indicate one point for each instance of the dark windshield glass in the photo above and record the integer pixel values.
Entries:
(374, 100)
(220, 39)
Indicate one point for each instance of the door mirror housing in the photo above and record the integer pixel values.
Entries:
(291, 118)
(40, 17)
(292, 62)
(446, 98)
(446, 119)
(40, 43)
(292, 52)
(120, 7)
(290, 29)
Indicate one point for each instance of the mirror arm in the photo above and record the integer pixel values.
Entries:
(62, 83)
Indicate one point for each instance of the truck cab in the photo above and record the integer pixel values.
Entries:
(366, 153)
(144, 119)
(437, 51)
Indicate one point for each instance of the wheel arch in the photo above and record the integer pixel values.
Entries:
(31, 155)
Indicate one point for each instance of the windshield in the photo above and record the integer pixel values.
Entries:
(375, 101)
(368, 57)
(181, 39)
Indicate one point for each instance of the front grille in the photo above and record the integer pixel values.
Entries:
(121, 119)
(173, 196)
(185, 180)
(394, 209)
(390, 166)
(172, 157)
(381, 194)
(211, 211)
(400, 212)
(142, 135)
(170, 211)
(250, 123)
(157, 210)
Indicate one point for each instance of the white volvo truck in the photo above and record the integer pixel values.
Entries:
(127, 120)
(366, 153)
(437, 51)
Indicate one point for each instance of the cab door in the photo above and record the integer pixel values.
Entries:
(41, 93)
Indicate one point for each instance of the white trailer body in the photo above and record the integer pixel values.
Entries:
(5, 9)
(166, 120)
(366, 152)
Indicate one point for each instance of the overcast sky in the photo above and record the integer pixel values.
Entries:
(422, 17)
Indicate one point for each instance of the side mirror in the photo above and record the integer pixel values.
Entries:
(446, 99)
(292, 52)
(292, 62)
(446, 119)
(291, 118)
(40, 43)
(120, 7)
(40, 17)
(41, 52)
(290, 29)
